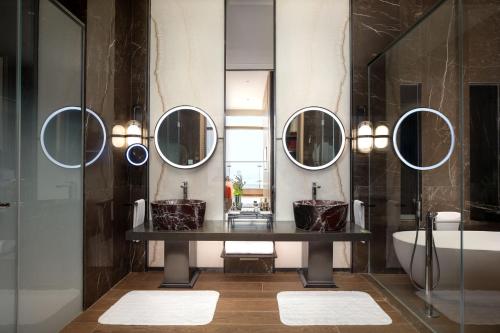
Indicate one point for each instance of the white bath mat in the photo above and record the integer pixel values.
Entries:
(303, 308)
(482, 307)
(158, 307)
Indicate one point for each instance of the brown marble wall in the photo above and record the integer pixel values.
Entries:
(427, 57)
(116, 81)
(374, 25)
(481, 67)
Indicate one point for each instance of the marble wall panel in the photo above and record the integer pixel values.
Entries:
(312, 69)
(481, 67)
(187, 68)
(427, 57)
(374, 24)
(116, 71)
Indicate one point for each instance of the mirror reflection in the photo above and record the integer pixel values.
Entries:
(61, 135)
(249, 136)
(313, 138)
(422, 127)
(185, 137)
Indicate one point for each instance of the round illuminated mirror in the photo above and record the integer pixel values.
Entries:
(61, 137)
(313, 138)
(423, 127)
(137, 154)
(185, 137)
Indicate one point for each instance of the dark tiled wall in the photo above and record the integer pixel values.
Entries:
(374, 25)
(481, 57)
(116, 79)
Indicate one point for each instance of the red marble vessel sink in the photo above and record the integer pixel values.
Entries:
(320, 215)
(178, 214)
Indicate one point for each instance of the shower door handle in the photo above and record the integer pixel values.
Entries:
(4, 204)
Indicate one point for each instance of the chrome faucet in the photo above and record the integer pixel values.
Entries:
(184, 187)
(429, 266)
(315, 187)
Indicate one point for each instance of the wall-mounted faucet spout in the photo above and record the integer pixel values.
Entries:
(315, 187)
(184, 187)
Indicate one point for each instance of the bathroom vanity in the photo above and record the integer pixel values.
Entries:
(180, 270)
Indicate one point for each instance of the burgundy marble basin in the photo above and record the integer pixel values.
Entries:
(178, 214)
(320, 215)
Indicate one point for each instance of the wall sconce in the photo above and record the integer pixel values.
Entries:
(381, 141)
(364, 137)
(367, 140)
(118, 136)
(133, 134)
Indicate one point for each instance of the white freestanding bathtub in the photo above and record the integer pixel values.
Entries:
(481, 257)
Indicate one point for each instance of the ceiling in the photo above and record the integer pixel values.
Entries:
(246, 90)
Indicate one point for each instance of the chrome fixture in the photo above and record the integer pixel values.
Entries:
(429, 283)
(315, 187)
(184, 187)
(137, 154)
(430, 247)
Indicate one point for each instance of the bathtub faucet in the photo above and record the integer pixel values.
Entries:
(429, 268)
(418, 207)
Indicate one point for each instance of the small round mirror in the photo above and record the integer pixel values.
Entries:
(137, 154)
(185, 137)
(313, 138)
(61, 137)
(423, 127)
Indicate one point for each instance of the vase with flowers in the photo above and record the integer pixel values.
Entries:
(238, 185)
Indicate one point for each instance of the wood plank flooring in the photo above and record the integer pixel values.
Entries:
(247, 303)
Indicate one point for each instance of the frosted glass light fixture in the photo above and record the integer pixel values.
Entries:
(133, 133)
(118, 136)
(381, 140)
(365, 137)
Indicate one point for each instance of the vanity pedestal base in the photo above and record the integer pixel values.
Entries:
(179, 270)
(319, 272)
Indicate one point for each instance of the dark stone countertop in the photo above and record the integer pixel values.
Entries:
(283, 231)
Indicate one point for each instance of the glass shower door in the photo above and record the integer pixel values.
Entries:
(51, 216)
(8, 165)
(41, 173)
(416, 185)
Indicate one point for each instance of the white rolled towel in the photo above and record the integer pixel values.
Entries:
(359, 213)
(249, 247)
(139, 212)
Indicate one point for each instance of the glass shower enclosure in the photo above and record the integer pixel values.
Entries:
(434, 194)
(41, 127)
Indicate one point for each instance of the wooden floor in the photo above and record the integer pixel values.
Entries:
(247, 303)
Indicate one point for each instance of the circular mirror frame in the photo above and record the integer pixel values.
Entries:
(129, 149)
(53, 115)
(157, 128)
(335, 119)
(395, 133)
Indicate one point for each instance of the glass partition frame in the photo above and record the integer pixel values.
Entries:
(433, 63)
